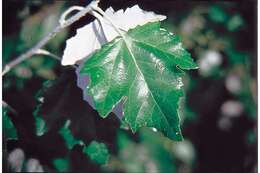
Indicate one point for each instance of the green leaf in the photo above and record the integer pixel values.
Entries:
(217, 14)
(235, 23)
(62, 165)
(9, 130)
(41, 127)
(144, 70)
(97, 152)
(68, 137)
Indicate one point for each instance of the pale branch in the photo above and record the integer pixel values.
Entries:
(45, 52)
(65, 14)
(45, 40)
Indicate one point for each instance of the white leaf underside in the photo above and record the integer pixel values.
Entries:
(92, 36)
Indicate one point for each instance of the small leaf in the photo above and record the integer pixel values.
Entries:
(9, 130)
(97, 152)
(40, 123)
(217, 14)
(235, 23)
(68, 137)
(143, 70)
(40, 126)
(62, 165)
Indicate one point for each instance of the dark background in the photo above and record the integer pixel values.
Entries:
(215, 141)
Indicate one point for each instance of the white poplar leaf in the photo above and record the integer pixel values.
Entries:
(92, 36)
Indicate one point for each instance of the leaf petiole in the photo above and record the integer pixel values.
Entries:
(105, 16)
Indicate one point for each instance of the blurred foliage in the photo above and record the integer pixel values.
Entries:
(33, 28)
(9, 130)
(61, 164)
(68, 137)
(218, 112)
(38, 25)
(97, 152)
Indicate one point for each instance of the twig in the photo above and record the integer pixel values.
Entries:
(46, 39)
(45, 52)
(69, 10)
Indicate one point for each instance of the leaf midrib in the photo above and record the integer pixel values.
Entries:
(136, 64)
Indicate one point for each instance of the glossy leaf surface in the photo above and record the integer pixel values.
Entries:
(143, 69)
